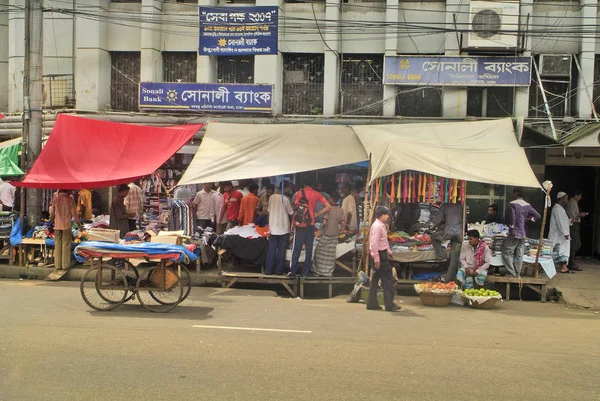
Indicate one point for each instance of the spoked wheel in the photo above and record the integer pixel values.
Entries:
(160, 289)
(186, 283)
(104, 287)
(132, 276)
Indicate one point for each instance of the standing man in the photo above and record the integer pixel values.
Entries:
(279, 211)
(119, 217)
(204, 206)
(324, 258)
(248, 206)
(61, 211)
(513, 248)
(573, 212)
(7, 196)
(349, 208)
(559, 234)
(84, 205)
(263, 205)
(232, 199)
(134, 203)
(475, 259)
(305, 203)
(451, 215)
(380, 251)
(221, 220)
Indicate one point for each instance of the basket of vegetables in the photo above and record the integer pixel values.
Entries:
(481, 298)
(436, 294)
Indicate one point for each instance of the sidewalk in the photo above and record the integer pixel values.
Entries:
(581, 289)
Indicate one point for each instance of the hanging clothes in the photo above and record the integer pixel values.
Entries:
(181, 216)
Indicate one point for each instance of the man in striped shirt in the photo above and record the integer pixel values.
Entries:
(134, 203)
(381, 253)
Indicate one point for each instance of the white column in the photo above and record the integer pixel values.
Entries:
(391, 49)
(151, 57)
(454, 100)
(16, 56)
(92, 63)
(331, 33)
(4, 40)
(206, 67)
(521, 105)
(589, 10)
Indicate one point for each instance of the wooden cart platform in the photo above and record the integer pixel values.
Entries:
(537, 284)
(328, 281)
(289, 283)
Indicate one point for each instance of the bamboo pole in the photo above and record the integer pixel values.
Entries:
(536, 269)
(368, 193)
(464, 216)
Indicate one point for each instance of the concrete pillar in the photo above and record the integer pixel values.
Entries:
(16, 56)
(391, 49)
(589, 10)
(151, 57)
(454, 100)
(206, 67)
(92, 65)
(331, 33)
(521, 105)
(4, 39)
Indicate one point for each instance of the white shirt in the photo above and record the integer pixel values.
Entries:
(559, 225)
(218, 199)
(279, 212)
(7, 194)
(349, 206)
(205, 202)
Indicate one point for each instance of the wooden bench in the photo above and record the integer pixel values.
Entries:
(328, 281)
(290, 284)
(537, 284)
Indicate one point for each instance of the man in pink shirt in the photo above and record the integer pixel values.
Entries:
(304, 233)
(381, 253)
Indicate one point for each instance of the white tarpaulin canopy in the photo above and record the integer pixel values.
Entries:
(241, 151)
(479, 151)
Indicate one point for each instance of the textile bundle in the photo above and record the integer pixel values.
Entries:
(181, 217)
(415, 187)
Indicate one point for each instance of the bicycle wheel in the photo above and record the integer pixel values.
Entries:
(186, 283)
(160, 289)
(132, 276)
(103, 287)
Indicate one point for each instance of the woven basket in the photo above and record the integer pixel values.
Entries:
(489, 304)
(433, 299)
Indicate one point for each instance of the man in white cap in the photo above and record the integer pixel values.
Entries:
(559, 234)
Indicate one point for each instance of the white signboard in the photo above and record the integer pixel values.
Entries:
(573, 157)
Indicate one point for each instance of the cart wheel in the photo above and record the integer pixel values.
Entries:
(160, 289)
(132, 276)
(104, 288)
(186, 283)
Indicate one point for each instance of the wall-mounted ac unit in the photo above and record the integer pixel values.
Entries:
(556, 65)
(493, 24)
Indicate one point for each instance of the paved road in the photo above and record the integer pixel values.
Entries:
(53, 347)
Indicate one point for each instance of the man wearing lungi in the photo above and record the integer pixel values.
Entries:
(475, 258)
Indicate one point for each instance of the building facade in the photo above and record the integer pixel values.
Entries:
(330, 58)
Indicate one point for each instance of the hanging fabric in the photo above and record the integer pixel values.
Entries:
(393, 190)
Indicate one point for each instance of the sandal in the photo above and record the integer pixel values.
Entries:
(576, 269)
(567, 272)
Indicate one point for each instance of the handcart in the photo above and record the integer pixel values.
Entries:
(160, 288)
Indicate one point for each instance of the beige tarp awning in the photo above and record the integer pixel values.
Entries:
(240, 151)
(478, 151)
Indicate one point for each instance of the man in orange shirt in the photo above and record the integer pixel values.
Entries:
(248, 206)
(62, 211)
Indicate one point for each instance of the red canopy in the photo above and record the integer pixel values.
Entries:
(86, 153)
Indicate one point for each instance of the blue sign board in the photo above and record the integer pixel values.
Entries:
(240, 31)
(457, 71)
(206, 97)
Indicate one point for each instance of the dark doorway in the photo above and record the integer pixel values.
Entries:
(568, 179)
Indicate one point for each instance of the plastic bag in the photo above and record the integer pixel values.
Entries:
(16, 235)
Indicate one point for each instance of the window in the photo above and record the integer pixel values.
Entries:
(556, 71)
(179, 66)
(362, 88)
(490, 102)
(418, 101)
(235, 69)
(303, 76)
(124, 80)
(596, 90)
(59, 91)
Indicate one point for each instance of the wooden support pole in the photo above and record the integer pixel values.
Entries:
(536, 269)
(368, 193)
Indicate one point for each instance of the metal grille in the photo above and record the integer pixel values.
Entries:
(235, 69)
(419, 102)
(59, 91)
(558, 95)
(179, 66)
(124, 80)
(362, 88)
(490, 102)
(303, 77)
(596, 90)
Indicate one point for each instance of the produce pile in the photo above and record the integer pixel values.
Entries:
(481, 292)
(438, 288)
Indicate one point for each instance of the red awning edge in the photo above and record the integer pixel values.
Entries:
(87, 153)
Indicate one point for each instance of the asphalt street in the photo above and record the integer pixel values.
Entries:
(224, 344)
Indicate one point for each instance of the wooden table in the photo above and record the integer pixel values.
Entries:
(28, 247)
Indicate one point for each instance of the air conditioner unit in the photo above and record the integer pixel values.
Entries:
(493, 24)
(556, 65)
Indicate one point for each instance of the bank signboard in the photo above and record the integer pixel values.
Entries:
(457, 71)
(239, 31)
(238, 98)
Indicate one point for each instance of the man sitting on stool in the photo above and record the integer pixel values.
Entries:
(475, 257)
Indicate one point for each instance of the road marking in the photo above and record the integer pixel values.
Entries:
(251, 329)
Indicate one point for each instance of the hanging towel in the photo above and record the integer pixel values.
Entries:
(446, 190)
(393, 190)
(405, 187)
(414, 188)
